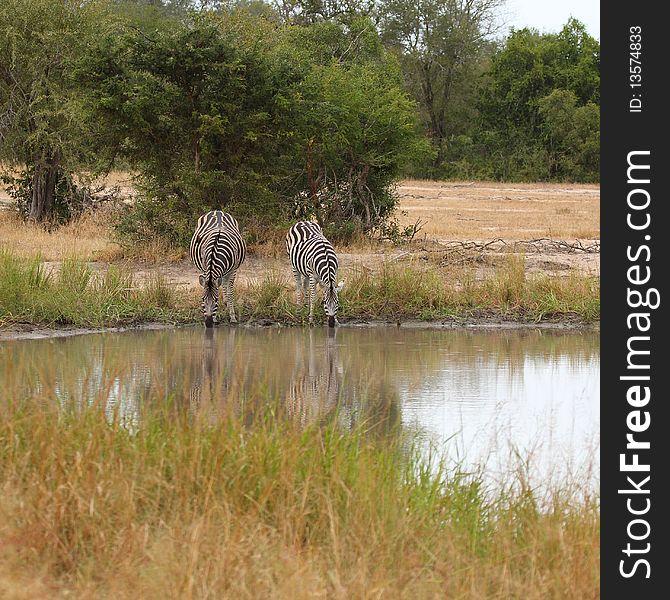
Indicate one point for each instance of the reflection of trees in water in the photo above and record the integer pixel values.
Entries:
(374, 402)
(308, 375)
(430, 359)
(121, 373)
(74, 373)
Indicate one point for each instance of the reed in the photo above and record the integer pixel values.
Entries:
(398, 291)
(76, 294)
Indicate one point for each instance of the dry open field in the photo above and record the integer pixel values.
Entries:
(512, 211)
(556, 227)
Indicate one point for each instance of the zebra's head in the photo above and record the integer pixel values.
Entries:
(210, 298)
(331, 302)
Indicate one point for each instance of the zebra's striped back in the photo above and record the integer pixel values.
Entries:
(311, 253)
(217, 247)
(217, 250)
(301, 231)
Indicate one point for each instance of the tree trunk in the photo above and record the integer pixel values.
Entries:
(364, 196)
(310, 177)
(45, 176)
(196, 158)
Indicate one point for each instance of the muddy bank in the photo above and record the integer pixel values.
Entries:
(23, 331)
(33, 332)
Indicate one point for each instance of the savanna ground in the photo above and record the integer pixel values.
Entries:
(464, 230)
(183, 508)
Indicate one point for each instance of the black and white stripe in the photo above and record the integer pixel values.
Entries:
(313, 393)
(313, 261)
(217, 250)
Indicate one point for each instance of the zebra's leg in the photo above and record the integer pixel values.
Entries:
(312, 294)
(298, 288)
(305, 288)
(229, 297)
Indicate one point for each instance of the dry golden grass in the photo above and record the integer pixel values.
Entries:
(489, 210)
(183, 508)
(88, 237)
(449, 210)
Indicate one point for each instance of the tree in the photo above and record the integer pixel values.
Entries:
(189, 105)
(442, 45)
(43, 129)
(232, 110)
(520, 106)
(307, 12)
(352, 125)
(571, 136)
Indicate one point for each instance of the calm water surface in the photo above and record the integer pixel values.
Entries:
(481, 397)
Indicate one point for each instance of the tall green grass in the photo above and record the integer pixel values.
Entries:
(78, 295)
(411, 292)
(253, 507)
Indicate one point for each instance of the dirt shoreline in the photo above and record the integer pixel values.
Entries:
(36, 332)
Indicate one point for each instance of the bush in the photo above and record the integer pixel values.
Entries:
(276, 123)
(70, 199)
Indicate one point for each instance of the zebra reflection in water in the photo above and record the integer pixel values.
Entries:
(237, 375)
(316, 381)
(299, 375)
(211, 387)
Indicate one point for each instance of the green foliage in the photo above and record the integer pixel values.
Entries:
(307, 12)
(190, 113)
(443, 48)
(231, 111)
(295, 109)
(353, 129)
(43, 123)
(190, 106)
(539, 108)
(486, 109)
(571, 136)
(532, 65)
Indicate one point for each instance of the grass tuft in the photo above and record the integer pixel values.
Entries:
(78, 295)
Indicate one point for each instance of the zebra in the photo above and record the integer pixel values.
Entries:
(217, 249)
(313, 261)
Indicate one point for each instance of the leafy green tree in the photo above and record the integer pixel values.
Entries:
(43, 126)
(190, 107)
(232, 111)
(571, 136)
(442, 45)
(317, 11)
(537, 81)
(352, 126)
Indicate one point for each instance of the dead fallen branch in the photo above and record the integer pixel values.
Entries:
(540, 245)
